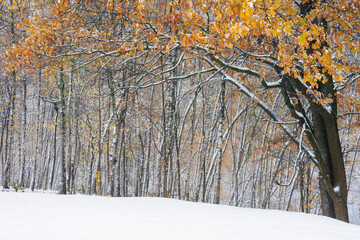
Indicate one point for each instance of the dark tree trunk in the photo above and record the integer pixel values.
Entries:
(23, 136)
(62, 172)
(334, 191)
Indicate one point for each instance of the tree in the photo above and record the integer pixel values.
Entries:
(308, 45)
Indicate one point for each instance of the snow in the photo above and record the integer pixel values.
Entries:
(337, 189)
(30, 216)
(299, 114)
(328, 109)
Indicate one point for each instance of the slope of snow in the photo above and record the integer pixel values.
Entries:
(36, 216)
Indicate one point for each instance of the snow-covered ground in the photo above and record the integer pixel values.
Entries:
(27, 216)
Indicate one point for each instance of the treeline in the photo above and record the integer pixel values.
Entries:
(171, 139)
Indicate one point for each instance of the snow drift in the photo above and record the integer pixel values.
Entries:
(36, 216)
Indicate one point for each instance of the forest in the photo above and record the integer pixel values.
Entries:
(247, 103)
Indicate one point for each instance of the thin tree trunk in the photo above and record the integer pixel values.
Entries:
(62, 172)
(70, 113)
(220, 142)
(6, 163)
(54, 146)
(23, 136)
(39, 135)
(114, 158)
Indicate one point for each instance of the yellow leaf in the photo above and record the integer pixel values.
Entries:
(302, 39)
(140, 6)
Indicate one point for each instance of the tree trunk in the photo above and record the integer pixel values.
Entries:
(220, 140)
(39, 135)
(62, 172)
(333, 192)
(23, 136)
(114, 158)
(70, 112)
(5, 161)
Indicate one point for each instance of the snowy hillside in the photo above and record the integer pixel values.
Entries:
(36, 216)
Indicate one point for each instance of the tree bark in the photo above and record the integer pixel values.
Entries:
(23, 135)
(220, 140)
(62, 170)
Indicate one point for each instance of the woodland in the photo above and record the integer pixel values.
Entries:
(248, 103)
